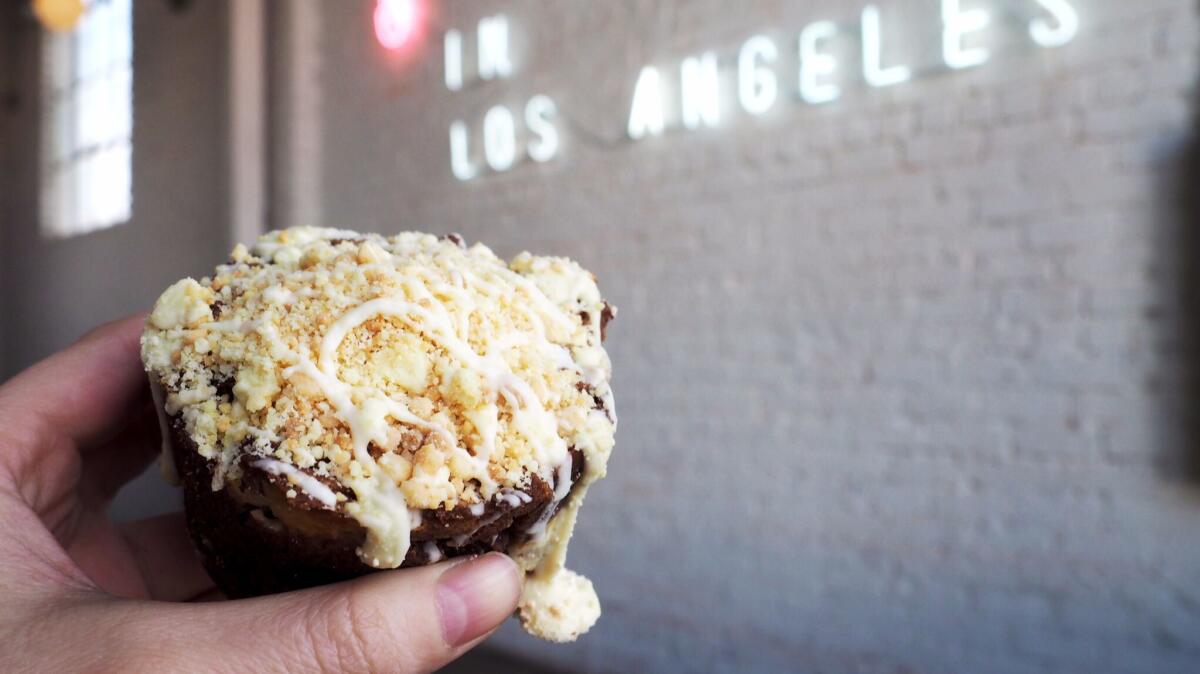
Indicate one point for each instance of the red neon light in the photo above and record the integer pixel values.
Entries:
(396, 22)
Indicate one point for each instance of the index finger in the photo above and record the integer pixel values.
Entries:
(81, 395)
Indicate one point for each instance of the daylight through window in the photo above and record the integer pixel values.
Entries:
(87, 107)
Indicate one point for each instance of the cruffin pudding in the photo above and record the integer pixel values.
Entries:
(335, 403)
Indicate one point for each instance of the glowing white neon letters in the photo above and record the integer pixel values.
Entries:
(499, 138)
(700, 91)
(956, 24)
(646, 113)
(452, 51)
(964, 26)
(493, 47)
(1062, 32)
(540, 112)
(460, 161)
(501, 134)
(815, 64)
(872, 53)
(704, 96)
(757, 86)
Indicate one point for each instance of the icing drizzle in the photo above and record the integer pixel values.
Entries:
(380, 505)
(307, 483)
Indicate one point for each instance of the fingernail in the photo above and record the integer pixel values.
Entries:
(476, 596)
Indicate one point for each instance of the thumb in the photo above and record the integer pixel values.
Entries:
(414, 620)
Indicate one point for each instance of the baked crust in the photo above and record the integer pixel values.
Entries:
(254, 540)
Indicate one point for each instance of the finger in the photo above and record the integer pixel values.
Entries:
(211, 595)
(168, 562)
(107, 468)
(414, 620)
(82, 394)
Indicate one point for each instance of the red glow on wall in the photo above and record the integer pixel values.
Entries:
(397, 22)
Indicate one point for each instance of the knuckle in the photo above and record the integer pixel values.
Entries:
(110, 330)
(97, 332)
(347, 635)
(123, 646)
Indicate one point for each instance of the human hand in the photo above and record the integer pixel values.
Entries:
(81, 592)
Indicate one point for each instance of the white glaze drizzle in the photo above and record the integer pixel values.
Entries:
(529, 416)
(265, 247)
(433, 552)
(546, 308)
(380, 506)
(461, 539)
(562, 487)
(514, 498)
(307, 483)
(389, 523)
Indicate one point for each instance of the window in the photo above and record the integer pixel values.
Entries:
(87, 122)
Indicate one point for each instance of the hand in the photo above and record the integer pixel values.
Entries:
(81, 592)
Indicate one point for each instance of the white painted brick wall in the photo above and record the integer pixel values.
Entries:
(899, 378)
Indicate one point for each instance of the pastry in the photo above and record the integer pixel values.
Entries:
(336, 403)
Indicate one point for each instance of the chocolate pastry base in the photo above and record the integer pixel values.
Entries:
(254, 540)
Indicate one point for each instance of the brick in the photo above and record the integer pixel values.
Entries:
(1144, 118)
(947, 148)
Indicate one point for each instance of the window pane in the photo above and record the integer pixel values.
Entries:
(105, 110)
(88, 117)
(93, 37)
(87, 101)
(120, 33)
(120, 100)
(79, 187)
(108, 186)
(57, 133)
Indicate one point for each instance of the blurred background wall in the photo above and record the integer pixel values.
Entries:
(54, 290)
(907, 381)
(57, 289)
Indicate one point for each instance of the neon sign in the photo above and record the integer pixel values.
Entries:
(396, 22)
(507, 137)
(758, 87)
(530, 132)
